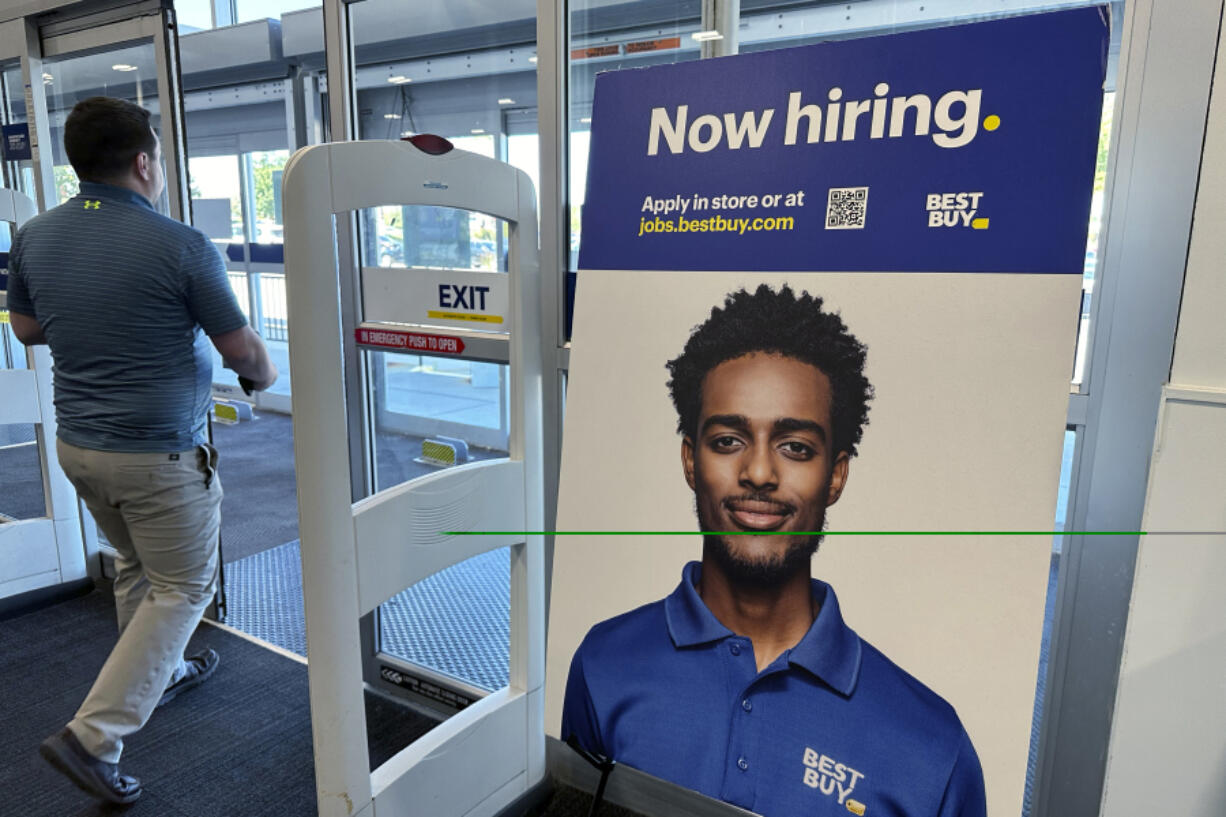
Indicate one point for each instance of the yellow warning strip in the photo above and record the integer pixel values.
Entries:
(464, 316)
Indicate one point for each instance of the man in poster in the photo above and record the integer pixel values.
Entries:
(745, 684)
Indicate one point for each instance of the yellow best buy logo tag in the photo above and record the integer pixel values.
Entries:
(955, 210)
(855, 807)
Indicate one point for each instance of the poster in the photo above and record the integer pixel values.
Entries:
(927, 287)
(16, 142)
(960, 149)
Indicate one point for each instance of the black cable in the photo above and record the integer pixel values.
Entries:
(603, 764)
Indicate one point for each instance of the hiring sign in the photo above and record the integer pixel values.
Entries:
(933, 150)
(793, 263)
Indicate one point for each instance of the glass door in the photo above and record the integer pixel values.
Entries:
(133, 59)
(41, 542)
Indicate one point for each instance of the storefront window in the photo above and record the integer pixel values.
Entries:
(264, 170)
(127, 73)
(470, 77)
(609, 38)
(217, 208)
(249, 10)
(194, 15)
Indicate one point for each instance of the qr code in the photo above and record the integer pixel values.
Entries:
(846, 208)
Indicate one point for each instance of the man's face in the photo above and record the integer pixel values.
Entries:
(158, 181)
(762, 461)
(147, 171)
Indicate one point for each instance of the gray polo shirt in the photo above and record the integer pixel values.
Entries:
(125, 297)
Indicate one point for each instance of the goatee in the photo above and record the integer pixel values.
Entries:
(765, 573)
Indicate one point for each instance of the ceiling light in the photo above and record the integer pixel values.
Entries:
(478, 131)
(585, 119)
(399, 79)
(532, 59)
(391, 116)
(48, 77)
(706, 36)
(123, 66)
(506, 100)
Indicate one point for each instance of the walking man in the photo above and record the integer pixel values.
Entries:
(125, 297)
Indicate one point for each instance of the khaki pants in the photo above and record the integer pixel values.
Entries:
(162, 513)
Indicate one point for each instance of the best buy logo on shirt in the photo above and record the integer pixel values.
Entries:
(832, 778)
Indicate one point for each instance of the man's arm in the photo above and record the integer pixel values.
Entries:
(20, 307)
(964, 793)
(243, 351)
(27, 329)
(213, 305)
(578, 712)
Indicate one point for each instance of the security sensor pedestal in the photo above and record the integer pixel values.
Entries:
(46, 550)
(356, 556)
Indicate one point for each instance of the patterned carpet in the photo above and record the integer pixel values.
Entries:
(239, 746)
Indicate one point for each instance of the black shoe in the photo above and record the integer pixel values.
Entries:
(199, 668)
(92, 776)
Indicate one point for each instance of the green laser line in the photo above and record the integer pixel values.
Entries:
(794, 533)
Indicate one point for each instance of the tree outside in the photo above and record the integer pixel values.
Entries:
(266, 170)
(66, 184)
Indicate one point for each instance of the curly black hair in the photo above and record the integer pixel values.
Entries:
(781, 323)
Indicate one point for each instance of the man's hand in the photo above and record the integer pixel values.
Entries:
(244, 352)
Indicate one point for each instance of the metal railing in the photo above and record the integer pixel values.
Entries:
(261, 296)
(274, 310)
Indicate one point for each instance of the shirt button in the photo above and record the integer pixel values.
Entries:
(747, 705)
(742, 764)
(735, 648)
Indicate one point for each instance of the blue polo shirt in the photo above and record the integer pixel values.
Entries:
(125, 297)
(831, 727)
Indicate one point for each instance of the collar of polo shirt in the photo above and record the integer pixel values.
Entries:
(830, 649)
(102, 190)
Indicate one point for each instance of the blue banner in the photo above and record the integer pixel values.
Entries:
(16, 142)
(968, 148)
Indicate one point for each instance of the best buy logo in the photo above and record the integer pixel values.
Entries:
(955, 210)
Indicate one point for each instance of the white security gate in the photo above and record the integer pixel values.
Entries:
(357, 555)
(47, 550)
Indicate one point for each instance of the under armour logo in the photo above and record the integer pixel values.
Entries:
(93, 204)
